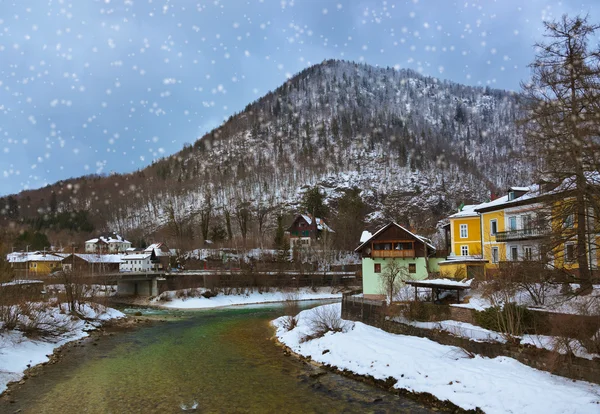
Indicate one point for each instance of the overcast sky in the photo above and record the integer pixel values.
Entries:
(101, 86)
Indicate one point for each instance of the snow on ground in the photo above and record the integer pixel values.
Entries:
(555, 300)
(229, 300)
(496, 385)
(18, 352)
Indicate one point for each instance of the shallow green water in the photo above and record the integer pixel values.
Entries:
(223, 360)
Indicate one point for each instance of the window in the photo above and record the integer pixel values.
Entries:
(464, 250)
(527, 223)
(569, 221)
(527, 253)
(412, 268)
(495, 254)
(569, 252)
(493, 227)
(511, 195)
(514, 253)
(512, 223)
(377, 267)
(464, 231)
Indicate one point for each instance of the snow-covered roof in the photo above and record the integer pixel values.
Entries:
(466, 211)
(441, 282)
(321, 225)
(140, 256)
(366, 235)
(45, 258)
(100, 258)
(532, 192)
(109, 238)
(158, 249)
(393, 223)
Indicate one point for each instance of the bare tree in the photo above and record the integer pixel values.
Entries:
(562, 122)
(392, 279)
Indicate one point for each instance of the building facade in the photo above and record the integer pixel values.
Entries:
(413, 253)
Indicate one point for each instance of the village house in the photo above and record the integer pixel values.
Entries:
(515, 228)
(306, 229)
(413, 253)
(139, 262)
(163, 254)
(107, 243)
(92, 264)
(41, 264)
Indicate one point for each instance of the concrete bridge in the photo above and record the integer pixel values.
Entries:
(136, 283)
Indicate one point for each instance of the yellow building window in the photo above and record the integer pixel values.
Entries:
(464, 231)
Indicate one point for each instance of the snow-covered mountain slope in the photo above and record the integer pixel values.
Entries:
(416, 147)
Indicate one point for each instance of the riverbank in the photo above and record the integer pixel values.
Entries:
(20, 353)
(194, 299)
(421, 366)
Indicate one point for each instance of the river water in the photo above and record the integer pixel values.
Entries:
(221, 361)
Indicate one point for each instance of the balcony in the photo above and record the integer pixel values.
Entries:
(392, 253)
(522, 234)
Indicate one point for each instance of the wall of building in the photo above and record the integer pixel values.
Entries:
(473, 239)
(372, 280)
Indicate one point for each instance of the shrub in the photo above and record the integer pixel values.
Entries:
(291, 310)
(327, 319)
(511, 320)
(426, 312)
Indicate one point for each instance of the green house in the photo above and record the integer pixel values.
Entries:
(415, 254)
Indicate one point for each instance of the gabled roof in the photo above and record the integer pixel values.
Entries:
(467, 211)
(100, 258)
(321, 225)
(160, 249)
(140, 256)
(108, 238)
(424, 240)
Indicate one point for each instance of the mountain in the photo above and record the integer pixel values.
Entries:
(416, 146)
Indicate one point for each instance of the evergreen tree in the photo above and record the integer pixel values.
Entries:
(313, 202)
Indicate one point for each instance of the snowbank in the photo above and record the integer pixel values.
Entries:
(495, 385)
(230, 300)
(17, 352)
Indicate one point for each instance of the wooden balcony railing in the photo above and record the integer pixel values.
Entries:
(392, 253)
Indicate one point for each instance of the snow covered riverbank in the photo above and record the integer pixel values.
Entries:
(497, 385)
(18, 352)
(192, 298)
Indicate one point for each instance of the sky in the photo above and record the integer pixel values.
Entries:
(105, 86)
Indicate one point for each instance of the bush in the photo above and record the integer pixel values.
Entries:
(511, 319)
(426, 312)
(327, 319)
(291, 309)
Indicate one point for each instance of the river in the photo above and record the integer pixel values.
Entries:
(220, 361)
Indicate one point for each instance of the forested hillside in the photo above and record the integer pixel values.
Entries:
(412, 147)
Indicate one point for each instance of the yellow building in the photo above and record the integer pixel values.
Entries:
(513, 228)
(44, 263)
(465, 258)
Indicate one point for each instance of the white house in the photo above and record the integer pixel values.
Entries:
(107, 243)
(142, 262)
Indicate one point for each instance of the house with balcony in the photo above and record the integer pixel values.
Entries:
(517, 227)
(415, 254)
(305, 230)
